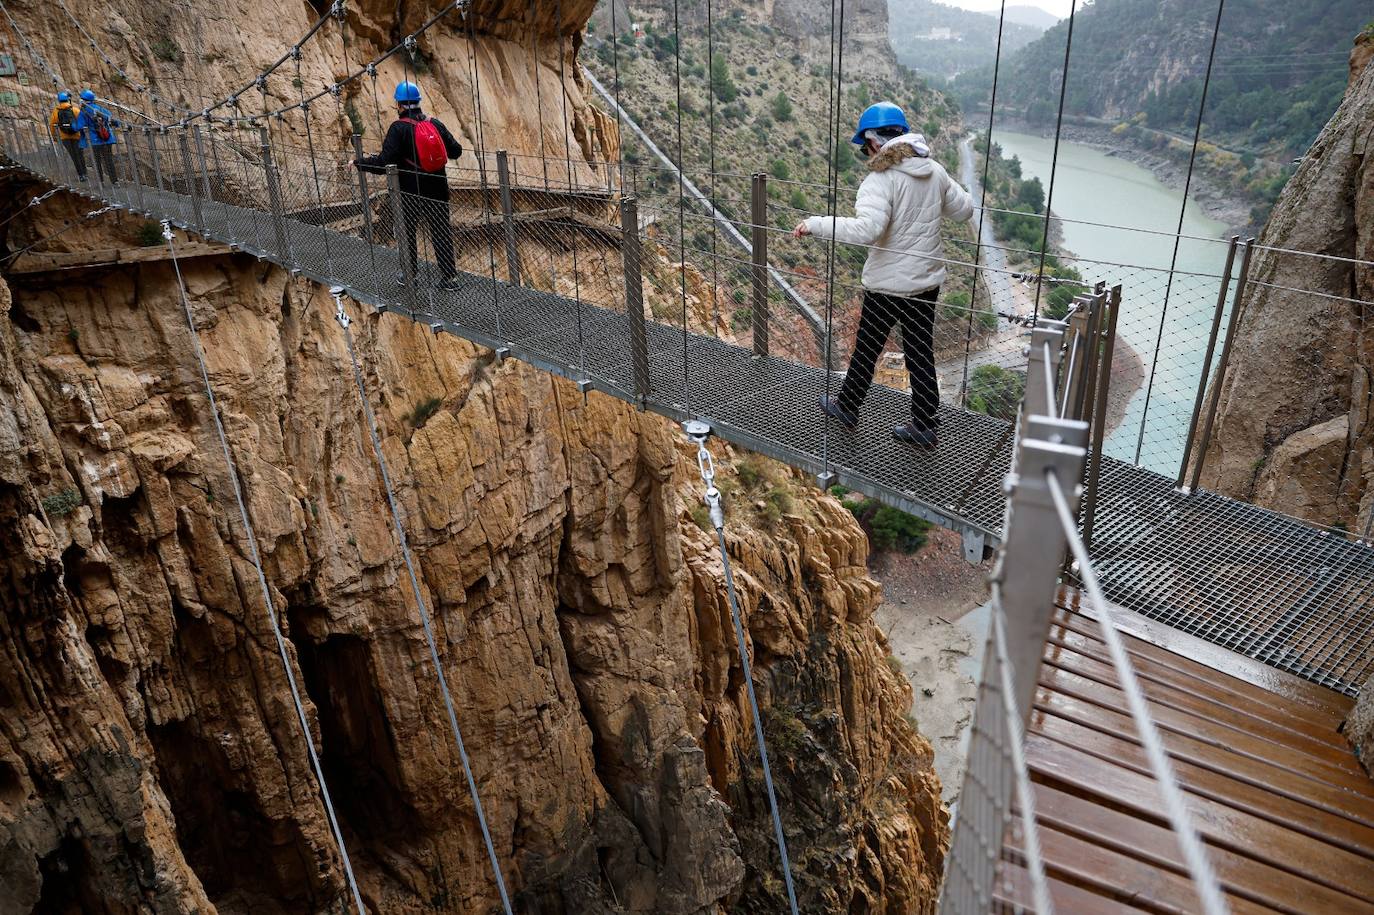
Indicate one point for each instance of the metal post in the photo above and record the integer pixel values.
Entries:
(1104, 385)
(190, 174)
(1072, 386)
(1206, 370)
(204, 171)
(229, 227)
(759, 240)
(398, 230)
(1221, 366)
(1033, 551)
(131, 153)
(1039, 397)
(157, 160)
(1092, 351)
(363, 198)
(269, 169)
(508, 217)
(634, 295)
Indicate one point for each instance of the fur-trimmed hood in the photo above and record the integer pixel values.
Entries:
(909, 152)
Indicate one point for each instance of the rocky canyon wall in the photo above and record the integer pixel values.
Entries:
(150, 756)
(1293, 429)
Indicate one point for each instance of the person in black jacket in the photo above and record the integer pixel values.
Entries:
(424, 195)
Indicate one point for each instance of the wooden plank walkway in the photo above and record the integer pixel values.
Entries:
(1284, 807)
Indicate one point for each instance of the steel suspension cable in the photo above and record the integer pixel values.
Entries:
(711, 147)
(572, 222)
(262, 576)
(1014, 723)
(1054, 159)
(1194, 852)
(538, 97)
(314, 170)
(681, 208)
(1182, 211)
(698, 432)
(619, 132)
(983, 202)
(344, 321)
(480, 154)
(832, 213)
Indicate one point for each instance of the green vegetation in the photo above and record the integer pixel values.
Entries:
(424, 409)
(62, 503)
(995, 391)
(355, 120)
(781, 106)
(1279, 73)
(888, 529)
(721, 83)
(168, 50)
(149, 234)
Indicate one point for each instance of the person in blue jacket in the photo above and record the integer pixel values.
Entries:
(97, 129)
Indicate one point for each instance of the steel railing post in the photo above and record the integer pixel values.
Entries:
(634, 296)
(1040, 379)
(1076, 352)
(1027, 570)
(269, 169)
(189, 172)
(204, 172)
(1103, 401)
(508, 217)
(1206, 369)
(364, 199)
(758, 218)
(131, 154)
(1092, 351)
(398, 231)
(1215, 400)
(157, 159)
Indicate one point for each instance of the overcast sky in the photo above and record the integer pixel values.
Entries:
(1058, 8)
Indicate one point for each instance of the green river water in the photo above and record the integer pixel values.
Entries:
(1092, 186)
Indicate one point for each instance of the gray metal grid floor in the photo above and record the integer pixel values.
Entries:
(1250, 580)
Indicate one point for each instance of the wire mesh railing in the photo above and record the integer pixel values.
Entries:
(722, 314)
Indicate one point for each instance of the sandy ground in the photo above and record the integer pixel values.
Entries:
(934, 615)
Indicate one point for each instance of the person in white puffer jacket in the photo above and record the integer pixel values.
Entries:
(897, 215)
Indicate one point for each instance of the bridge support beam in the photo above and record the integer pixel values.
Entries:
(508, 217)
(759, 260)
(634, 296)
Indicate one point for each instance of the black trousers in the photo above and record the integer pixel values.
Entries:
(78, 156)
(104, 162)
(434, 213)
(916, 314)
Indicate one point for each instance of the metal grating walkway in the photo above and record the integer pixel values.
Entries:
(1251, 580)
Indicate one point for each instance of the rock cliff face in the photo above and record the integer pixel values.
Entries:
(150, 757)
(1293, 430)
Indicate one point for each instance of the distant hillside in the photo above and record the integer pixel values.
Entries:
(1279, 73)
(943, 41)
(1032, 16)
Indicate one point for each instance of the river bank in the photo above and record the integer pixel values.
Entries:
(1217, 202)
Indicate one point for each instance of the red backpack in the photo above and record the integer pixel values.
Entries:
(431, 155)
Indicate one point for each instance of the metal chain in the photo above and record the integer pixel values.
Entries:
(699, 432)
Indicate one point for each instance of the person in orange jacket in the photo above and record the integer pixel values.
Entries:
(62, 128)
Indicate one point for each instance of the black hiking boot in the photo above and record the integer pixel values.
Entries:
(450, 284)
(838, 413)
(912, 434)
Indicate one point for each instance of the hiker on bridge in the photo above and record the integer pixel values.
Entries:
(420, 148)
(96, 128)
(62, 128)
(897, 215)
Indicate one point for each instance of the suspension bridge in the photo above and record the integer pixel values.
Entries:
(1268, 587)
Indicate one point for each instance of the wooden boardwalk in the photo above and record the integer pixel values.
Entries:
(1274, 789)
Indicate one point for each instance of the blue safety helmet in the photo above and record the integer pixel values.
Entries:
(877, 116)
(87, 95)
(64, 97)
(407, 92)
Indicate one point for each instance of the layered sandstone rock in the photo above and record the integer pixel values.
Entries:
(1293, 429)
(149, 748)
